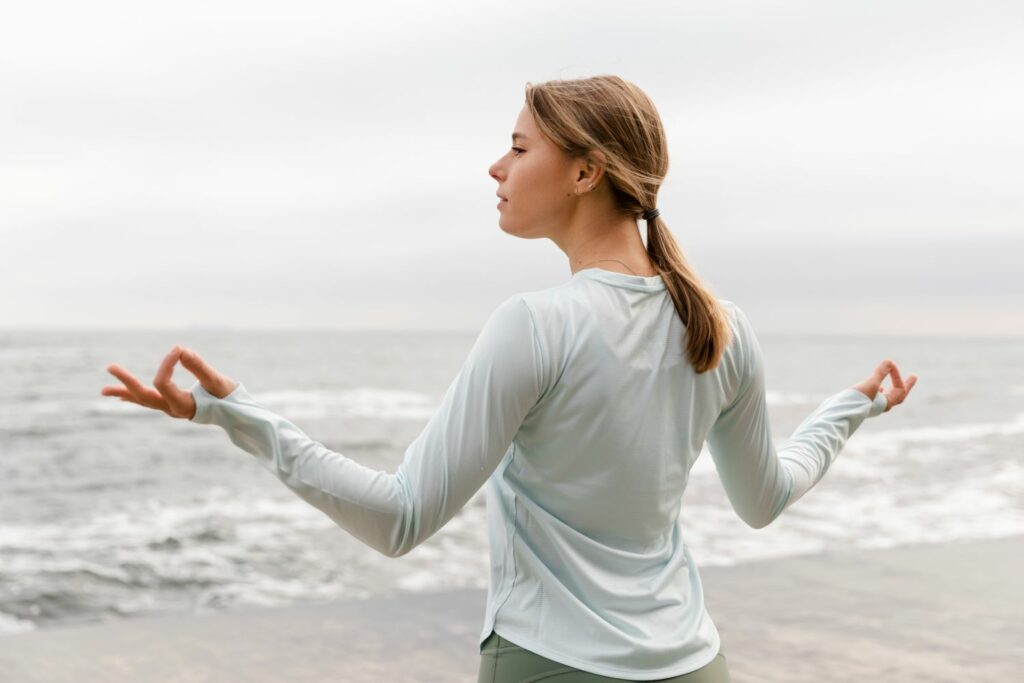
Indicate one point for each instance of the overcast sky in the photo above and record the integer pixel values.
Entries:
(849, 167)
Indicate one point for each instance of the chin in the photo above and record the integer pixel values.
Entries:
(518, 231)
(506, 227)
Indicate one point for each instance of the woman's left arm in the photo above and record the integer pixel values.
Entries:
(461, 445)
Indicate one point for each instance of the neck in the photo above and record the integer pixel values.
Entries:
(619, 241)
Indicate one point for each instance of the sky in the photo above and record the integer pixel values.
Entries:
(834, 168)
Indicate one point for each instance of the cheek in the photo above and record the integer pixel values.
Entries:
(538, 182)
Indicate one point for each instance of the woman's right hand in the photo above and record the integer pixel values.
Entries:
(896, 394)
(165, 395)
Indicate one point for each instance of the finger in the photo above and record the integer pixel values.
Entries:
(122, 393)
(176, 397)
(119, 392)
(142, 394)
(215, 382)
(882, 370)
(130, 381)
(194, 363)
(164, 374)
(897, 381)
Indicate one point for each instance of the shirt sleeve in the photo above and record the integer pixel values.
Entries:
(761, 480)
(461, 445)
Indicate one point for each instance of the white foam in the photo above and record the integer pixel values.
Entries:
(21, 354)
(255, 551)
(871, 497)
(868, 451)
(777, 398)
(232, 549)
(10, 624)
(966, 431)
(365, 402)
(362, 402)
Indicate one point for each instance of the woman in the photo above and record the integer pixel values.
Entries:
(582, 407)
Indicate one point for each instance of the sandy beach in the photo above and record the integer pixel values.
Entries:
(949, 612)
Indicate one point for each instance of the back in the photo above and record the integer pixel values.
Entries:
(588, 563)
(609, 447)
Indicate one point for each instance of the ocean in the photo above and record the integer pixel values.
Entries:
(109, 510)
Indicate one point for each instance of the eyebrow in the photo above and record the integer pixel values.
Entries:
(518, 135)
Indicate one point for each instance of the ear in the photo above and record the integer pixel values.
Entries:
(591, 167)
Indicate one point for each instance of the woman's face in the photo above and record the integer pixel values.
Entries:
(537, 180)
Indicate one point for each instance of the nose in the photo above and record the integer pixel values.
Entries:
(493, 171)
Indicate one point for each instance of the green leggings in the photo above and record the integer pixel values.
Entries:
(502, 661)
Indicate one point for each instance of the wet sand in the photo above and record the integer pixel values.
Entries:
(936, 613)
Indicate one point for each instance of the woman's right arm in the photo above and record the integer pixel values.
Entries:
(760, 479)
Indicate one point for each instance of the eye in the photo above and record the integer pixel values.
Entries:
(518, 150)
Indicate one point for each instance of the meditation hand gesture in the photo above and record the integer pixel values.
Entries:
(896, 394)
(167, 396)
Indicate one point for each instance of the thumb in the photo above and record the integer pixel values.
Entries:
(191, 360)
(214, 382)
(882, 370)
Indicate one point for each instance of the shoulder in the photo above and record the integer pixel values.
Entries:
(737, 318)
(533, 318)
(729, 306)
(515, 310)
(510, 347)
(512, 323)
(549, 305)
(738, 351)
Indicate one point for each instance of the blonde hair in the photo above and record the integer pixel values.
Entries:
(611, 115)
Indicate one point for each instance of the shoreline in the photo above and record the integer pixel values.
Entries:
(938, 612)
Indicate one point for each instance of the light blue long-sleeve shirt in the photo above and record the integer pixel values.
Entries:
(579, 411)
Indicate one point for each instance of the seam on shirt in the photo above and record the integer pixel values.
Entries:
(301, 475)
(746, 359)
(511, 537)
(542, 353)
(785, 499)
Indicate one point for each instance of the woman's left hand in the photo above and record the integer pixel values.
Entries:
(165, 395)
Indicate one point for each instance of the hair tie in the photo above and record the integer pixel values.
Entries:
(651, 213)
